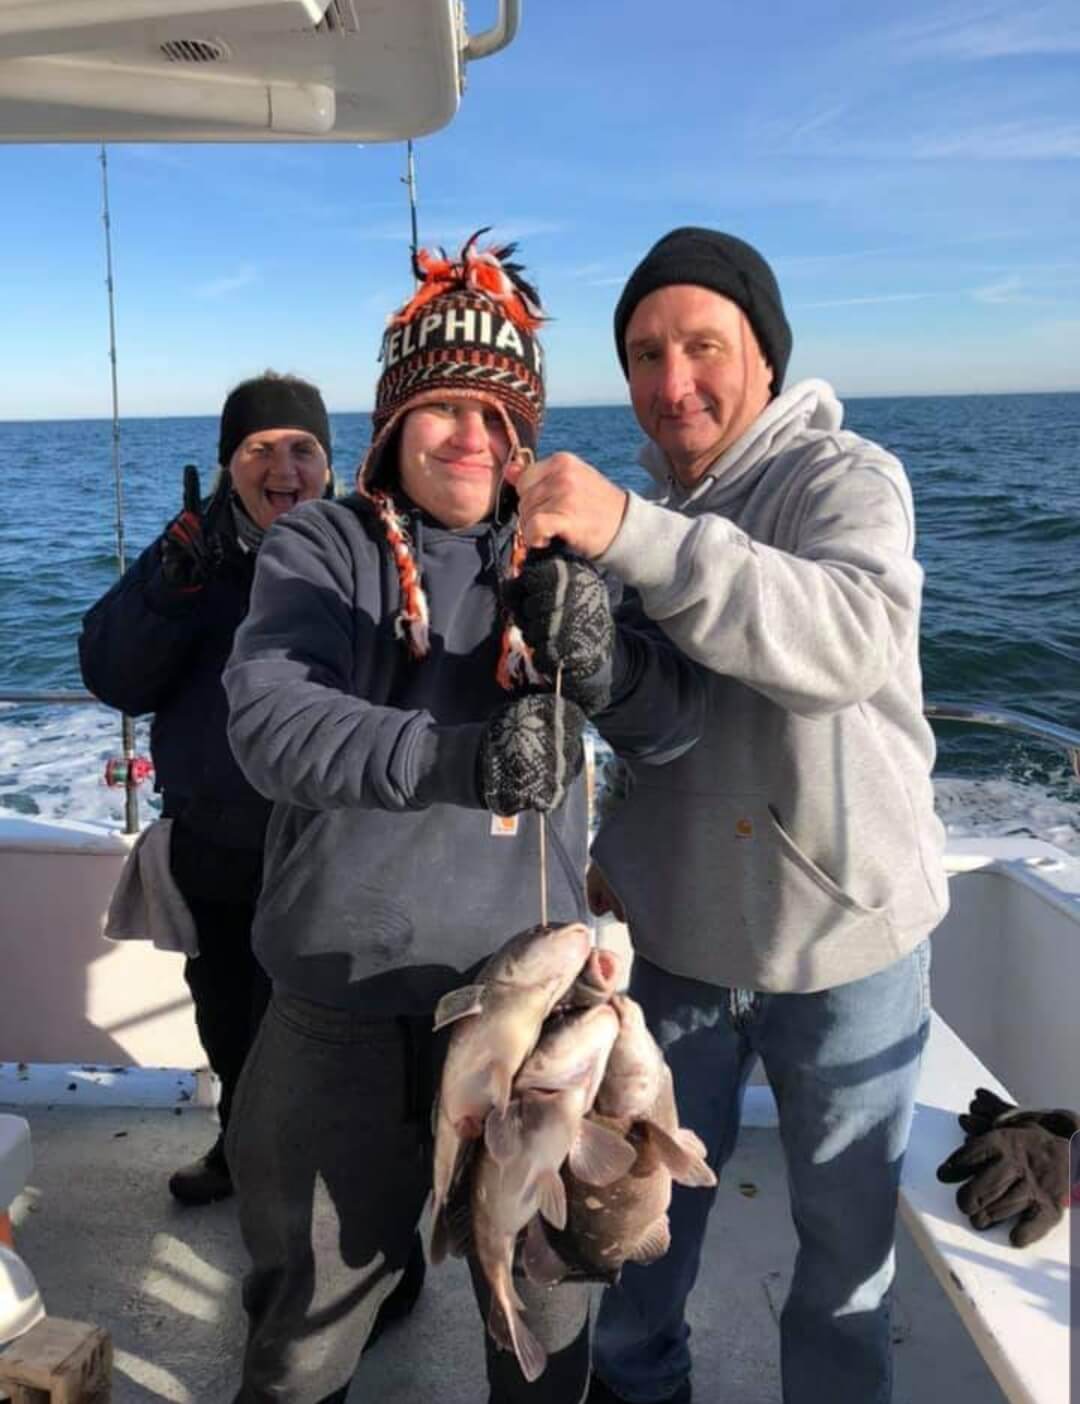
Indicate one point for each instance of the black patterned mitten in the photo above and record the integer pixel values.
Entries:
(530, 753)
(562, 607)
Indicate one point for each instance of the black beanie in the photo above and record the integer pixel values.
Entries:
(724, 265)
(271, 402)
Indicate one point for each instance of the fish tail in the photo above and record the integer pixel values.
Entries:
(508, 1329)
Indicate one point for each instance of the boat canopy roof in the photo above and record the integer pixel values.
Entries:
(236, 70)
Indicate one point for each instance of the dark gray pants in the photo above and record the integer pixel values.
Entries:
(329, 1145)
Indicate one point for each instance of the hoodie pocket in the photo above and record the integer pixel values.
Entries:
(791, 850)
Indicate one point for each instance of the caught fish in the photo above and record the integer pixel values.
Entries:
(635, 1067)
(598, 981)
(498, 1020)
(625, 1220)
(516, 1177)
(574, 1047)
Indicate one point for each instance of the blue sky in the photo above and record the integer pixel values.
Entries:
(912, 173)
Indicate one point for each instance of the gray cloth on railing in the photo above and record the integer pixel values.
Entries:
(146, 904)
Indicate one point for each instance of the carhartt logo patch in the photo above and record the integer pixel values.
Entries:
(504, 825)
(744, 828)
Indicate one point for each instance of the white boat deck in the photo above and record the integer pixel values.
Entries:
(109, 1246)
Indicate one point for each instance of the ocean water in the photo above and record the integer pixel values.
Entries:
(997, 496)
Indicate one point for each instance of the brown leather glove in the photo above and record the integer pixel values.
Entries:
(988, 1112)
(1017, 1172)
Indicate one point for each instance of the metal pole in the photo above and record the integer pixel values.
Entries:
(127, 725)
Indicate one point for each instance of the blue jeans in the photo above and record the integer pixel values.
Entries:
(843, 1065)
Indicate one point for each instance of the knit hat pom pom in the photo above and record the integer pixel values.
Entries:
(487, 272)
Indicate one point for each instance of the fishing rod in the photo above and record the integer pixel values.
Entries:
(409, 181)
(126, 770)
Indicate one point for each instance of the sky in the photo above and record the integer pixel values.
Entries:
(911, 172)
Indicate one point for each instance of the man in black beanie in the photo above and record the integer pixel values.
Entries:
(780, 880)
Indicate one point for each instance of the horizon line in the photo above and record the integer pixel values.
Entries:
(576, 404)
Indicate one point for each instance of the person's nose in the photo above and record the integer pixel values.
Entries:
(282, 465)
(470, 430)
(676, 380)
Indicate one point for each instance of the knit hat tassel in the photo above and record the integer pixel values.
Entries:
(412, 622)
(516, 667)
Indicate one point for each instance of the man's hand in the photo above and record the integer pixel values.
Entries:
(1016, 1171)
(189, 557)
(600, 895)
(530, 754)
(563, 610)
(562, 496)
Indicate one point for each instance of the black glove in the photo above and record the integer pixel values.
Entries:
(1017, 1170)
(988, 1112)
(530, 752)
(189, 554)
(562, 607)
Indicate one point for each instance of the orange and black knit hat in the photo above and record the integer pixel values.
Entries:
(468, 330)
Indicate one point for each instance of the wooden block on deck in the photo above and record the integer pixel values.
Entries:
(58, 1362)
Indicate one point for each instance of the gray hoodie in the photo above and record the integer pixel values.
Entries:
(796, 846)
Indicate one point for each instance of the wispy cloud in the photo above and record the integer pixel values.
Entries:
(809, 263)
(827, 117)
(871, 300)
(991, 32)
(599, 274)
(1004, 141)
(451, 232)
(1007, 290)
(1030, 140)
(233, 282)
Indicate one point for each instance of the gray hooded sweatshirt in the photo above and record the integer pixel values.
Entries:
(796, 846)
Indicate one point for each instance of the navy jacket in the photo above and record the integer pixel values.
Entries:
(384, 874)
(146, 648)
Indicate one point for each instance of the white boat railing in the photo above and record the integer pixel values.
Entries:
(500, 34)
(1064, 738)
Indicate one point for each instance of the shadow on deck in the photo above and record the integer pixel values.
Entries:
(109, 1246)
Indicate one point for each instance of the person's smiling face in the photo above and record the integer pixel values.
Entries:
(450, 459)
(274, 469)
(698, 378)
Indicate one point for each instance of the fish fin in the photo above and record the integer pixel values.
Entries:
(531, 1355)
(459, 1004)
(446, 1162)
(684, 1160)
(439, 1243)
(552, 1198)
(498, 1323)
(653, 1243)
(451, 1230)
(503, 1132)
(541, 1262)
(500, 1085)
(509, 1331)
(600, 1156)
(691, 1141)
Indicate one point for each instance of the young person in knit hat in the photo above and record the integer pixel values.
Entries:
(785, 915)
(382, 695)
(157, 642)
